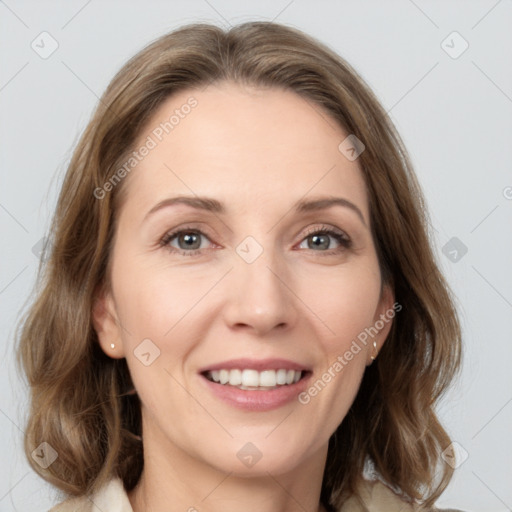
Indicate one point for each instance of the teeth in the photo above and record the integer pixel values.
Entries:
(250, 379)
(235, 378)
(281, 377)
(268, 378)
(224, 376)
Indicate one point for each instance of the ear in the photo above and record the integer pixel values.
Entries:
(383, 321)
(106, 324)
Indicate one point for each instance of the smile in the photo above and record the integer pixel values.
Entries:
(256, 385)
(253, 380)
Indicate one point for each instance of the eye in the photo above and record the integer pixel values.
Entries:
(192, 241)
(185, 241)
(326, 240)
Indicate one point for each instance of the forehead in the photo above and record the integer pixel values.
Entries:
(245, 146)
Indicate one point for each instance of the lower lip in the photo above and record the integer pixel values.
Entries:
(257, 400)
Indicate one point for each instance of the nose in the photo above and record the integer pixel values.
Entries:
(260, 297)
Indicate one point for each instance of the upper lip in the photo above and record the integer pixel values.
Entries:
(255, 364)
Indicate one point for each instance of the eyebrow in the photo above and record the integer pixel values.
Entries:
(328, 202)
(214, 206)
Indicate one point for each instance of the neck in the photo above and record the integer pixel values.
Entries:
(173, 481)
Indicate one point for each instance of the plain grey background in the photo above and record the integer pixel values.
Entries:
(443, 72)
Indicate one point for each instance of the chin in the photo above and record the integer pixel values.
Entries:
(258, 458)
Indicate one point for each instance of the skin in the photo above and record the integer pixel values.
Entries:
(257, 151)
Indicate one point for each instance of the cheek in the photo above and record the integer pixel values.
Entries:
(153, 308)
(159, 310)
(151, 300)
(346, 302)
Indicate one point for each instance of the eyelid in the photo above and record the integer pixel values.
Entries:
(342, 237)
(173, 233)
(325, 228)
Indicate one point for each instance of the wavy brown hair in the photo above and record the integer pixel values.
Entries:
(81, 399)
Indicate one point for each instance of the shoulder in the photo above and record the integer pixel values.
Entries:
(111, 497)
(377, 496)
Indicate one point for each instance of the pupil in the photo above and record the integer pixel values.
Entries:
(190, 239)
(320, 241)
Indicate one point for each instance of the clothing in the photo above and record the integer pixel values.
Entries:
(377, 497)
(111, 498)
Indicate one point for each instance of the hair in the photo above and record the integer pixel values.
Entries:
(82, 401)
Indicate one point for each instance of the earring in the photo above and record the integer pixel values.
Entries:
(112, 346)
(372, 356)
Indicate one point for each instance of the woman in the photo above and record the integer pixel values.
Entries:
(241, 308)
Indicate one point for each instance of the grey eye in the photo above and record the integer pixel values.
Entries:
(186, 240)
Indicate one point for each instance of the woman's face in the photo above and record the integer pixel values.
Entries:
(252, 276)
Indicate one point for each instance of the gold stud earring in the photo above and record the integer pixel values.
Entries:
(372, 356)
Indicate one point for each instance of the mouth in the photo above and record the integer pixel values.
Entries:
(256, 385)
(249, 379)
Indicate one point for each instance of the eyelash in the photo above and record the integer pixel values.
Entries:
(339, 236)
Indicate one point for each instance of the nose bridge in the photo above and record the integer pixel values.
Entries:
(258, 296)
